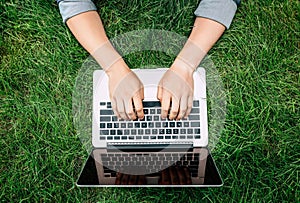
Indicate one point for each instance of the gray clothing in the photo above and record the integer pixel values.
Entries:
(221, 11)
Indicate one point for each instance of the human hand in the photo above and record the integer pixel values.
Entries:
(125, 90)
(175, 175)
(176, 87)
(125, 179)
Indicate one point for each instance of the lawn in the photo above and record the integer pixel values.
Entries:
(258, 154)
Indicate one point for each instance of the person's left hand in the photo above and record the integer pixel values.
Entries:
(176, 87)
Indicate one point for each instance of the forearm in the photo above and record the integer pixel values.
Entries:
(204, 35)
(88, 29)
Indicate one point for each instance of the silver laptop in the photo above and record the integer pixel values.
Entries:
(148, 148)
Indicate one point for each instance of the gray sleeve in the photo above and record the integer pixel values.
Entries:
(221, 11)
(70, 8)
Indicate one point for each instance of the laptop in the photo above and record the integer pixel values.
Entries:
(152, 151)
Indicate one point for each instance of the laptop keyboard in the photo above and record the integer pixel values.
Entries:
(150, 163)
(152, 127)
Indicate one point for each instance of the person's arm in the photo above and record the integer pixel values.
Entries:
(176, 86)
(124, 86)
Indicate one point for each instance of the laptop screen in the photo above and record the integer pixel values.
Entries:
(150, 168)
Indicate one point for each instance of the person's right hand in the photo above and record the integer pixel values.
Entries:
(125, 90)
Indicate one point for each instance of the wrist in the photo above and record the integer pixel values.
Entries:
(118, 68)
(182, 68)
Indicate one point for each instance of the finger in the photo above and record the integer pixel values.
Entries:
(121, 109)
(187, 176)
(165, 104)
(189, 106)
(124, 180)
(173, 175)
(141, 91)
(181, 175)
(114, 107)
(159, 92)
(174, 108)
(129, 110)
(138, 105)
(132, 180)
(165, 177)
(182, 107)
(118, 179)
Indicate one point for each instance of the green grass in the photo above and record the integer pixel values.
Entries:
(258, 60)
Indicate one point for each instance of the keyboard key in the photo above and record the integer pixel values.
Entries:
(146, 111)
(190, 131)
(102, 125)
(131, 137)
(104, 132)
(168, 131)
(151, 125)
(189, 137)
(114, 118)
(195, 124)
(109, 125)
(123, 125)
(106, 112)
(149, 118)
(182, 131)
(147, 131)
(196, 103)
(140, 131)
(116, 137)
(197, 136)
(119, 132)
(186, 124)
(197, 131)
(105, 118)
(124, 137)
(112, 132)
(102, 103)
(172, 124)
(108, 105)
(179, 124)
(154, 131)
(152, 111)
(165, 124)
(167, 137)
(175, 131)
(138, 137)
(126, 132)
(130, 125)
(195, 110)
(144, 125)
(174, 137)
(109, 138)
(156, 118)
(146, 137)
(133, 131)
(137, 125)
(158, 111)
(158, 124)
(116, 125)
(102, 137)
(147, 104)
(194, 117)
(182, 137)
(161, 131)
